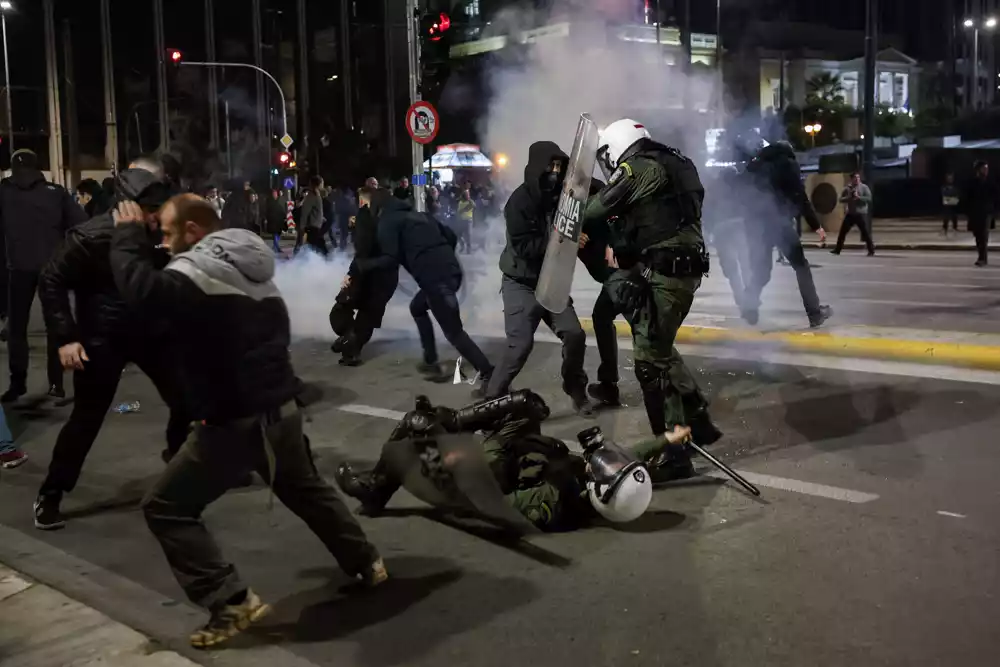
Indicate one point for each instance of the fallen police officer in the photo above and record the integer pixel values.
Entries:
(516, 477)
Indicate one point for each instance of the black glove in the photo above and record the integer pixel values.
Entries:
(636, 291)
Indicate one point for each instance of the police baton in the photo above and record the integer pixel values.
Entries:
(724, 468)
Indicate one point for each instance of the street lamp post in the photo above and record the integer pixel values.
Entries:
(5, 6)
(281, 93)
(988, 24)
(812, 131)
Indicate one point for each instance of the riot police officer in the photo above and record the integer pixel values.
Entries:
(518, 478)
(652, 204)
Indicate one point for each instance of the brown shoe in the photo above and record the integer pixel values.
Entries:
(230, 620)
(375, 575)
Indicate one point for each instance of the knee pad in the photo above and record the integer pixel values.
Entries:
(649, 376)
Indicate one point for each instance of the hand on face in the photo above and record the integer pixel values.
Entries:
(128, 213)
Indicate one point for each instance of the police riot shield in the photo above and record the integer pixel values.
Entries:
(449, 471)
(556, 278)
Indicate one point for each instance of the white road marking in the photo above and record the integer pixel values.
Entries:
(954, 515)
(769, 481)
(807, 488)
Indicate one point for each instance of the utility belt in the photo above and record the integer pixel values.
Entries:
(678, 262)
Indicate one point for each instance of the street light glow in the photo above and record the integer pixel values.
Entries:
(991, 22)
(968, 23)
(333, 77)
(501, 160)
(5, 5)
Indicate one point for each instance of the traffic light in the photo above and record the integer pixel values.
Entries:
(284, 159)
(174, 56)
(435, 44)
(435, 27)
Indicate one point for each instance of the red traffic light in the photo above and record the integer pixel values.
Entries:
(442, 24)
(284, 158)
(175, 56)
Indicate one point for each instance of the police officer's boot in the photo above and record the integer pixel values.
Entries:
(672, 465)
(372, 488)
(605, 393)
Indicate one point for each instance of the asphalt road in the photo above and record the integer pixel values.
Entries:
(875, 542)
(913, 290)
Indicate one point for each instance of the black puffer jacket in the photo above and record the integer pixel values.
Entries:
(34, 217)
(82, 266)
(415, 241)
(528, 215)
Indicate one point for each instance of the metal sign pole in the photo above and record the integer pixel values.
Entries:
(417, 149)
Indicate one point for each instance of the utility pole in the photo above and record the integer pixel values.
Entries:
(213, 77)
(258, 60)
(871, 86)
(110, 106)
(52, 84)
(390, 79)
(345, 59)
(302, 88)
(72, 124)
(161, 76)
(417, 149)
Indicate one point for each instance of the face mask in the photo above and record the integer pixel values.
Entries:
(551, 181)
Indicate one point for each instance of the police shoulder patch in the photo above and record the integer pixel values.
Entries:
(621, 172)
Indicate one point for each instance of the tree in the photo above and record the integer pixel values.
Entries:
(825, 88)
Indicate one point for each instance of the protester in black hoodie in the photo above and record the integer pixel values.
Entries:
(426, 248)
(528, 214)
(361, 302)
(99, 337)
(34, 216)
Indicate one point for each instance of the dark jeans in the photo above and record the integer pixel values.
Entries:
(212, 461)
(94, 389)
(315, 239)
(981, 233)
(605, 312)
(522, 314)
(440, 299)
(852, 220)
(276, 243)
(22, 287)
(951, 215)
(783, 236)
(730, 240)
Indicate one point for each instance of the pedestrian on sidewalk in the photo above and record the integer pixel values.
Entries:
(232, 338)
(950, 199)
(34, 217)
(857, 199)
(979, 202)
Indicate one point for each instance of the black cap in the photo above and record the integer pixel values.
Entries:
(24, 159)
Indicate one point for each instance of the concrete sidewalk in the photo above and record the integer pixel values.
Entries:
(950, 348)
(906, 234)
(41, 627)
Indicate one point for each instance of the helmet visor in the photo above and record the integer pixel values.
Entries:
(604, 162)
(610, 464)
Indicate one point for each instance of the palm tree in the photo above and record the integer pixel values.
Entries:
(825, 87)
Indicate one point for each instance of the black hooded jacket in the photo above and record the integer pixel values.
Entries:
(34, 216)
(776, 174)
(528, 215)
(82, 266)
(415, 241)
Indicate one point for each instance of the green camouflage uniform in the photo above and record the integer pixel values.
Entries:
(653, 201)
(541, 479)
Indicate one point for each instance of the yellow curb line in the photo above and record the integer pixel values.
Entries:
(985, 357)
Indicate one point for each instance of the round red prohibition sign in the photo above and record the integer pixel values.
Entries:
(422, 122)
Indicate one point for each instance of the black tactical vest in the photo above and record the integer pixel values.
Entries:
(676, 202)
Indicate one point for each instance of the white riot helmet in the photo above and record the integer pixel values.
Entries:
(615, 139)
(619, 487)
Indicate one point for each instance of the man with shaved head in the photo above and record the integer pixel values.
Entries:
(231, 350)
